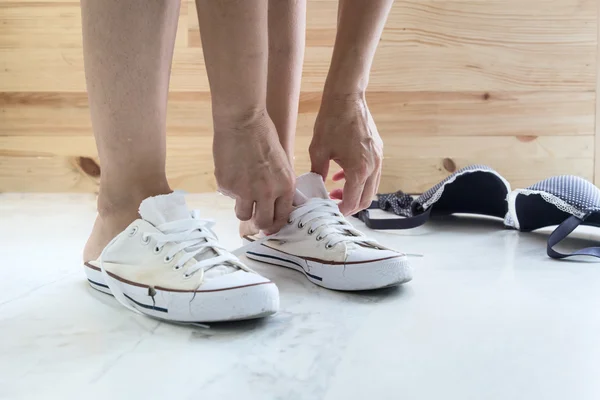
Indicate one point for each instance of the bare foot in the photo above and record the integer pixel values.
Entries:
(105, 229)
(116, 210)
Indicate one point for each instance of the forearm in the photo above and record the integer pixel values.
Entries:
(360, 24)
(235, 46)
(287, 25)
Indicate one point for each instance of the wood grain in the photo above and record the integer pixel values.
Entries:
(597, 154)
(396, 113)
(508, 83)
(412, 164)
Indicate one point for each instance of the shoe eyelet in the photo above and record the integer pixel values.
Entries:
(145, 240)
(186, 276)
(290, 221)
(300, 224)
(133, 231)
(177, 267)
(310, 231)
(157, 250)
(319, 238)
(168, 259)
(328, 246)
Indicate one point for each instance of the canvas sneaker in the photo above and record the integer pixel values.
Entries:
(169, 265)
(319, 242)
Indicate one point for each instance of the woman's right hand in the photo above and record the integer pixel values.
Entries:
(252, 167)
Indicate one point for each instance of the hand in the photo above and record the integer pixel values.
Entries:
(252, 167)
(346, 133)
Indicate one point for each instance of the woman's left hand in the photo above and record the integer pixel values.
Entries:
(346, 133)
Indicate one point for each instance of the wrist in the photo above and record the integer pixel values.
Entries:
(336, 101)
(348, 72)
(238, 116)
(247, 122)
(345, 84)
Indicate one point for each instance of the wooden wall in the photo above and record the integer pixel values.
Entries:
(508, 83)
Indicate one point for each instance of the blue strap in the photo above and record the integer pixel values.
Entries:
(564, 230)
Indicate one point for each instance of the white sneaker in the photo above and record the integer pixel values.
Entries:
(169, 265)
(319, 242)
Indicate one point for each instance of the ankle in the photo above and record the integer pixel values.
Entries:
(125, 200)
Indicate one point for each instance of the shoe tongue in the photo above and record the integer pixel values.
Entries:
(164, 208)
(172, 207)
(309, 186)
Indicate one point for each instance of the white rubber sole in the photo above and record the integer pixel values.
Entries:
(232, 304)
(348, 277)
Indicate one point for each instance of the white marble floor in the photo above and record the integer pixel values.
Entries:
(488, 316)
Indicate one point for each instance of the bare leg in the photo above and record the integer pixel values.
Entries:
(287, 25)
(128, 48)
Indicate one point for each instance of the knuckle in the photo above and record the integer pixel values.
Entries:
(267, 193)
(243, 198)
(288, 185)
(220, 175)
(315, 149)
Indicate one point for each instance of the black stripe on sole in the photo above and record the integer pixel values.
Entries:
(98, 284)
(318, 278)
(147, 306)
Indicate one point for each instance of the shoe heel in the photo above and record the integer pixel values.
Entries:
(95, 278)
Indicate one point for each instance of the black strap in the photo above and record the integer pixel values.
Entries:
(564, 230)
(392, 223)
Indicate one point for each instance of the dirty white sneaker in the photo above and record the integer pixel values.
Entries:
(169, 265)
(319, 242)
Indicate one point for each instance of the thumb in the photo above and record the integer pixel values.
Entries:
(319, 164)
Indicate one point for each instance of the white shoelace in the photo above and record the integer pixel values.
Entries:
(324, 220)
(191, 237)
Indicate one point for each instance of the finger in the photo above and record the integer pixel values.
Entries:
(248, 228)
(338, 176)
(353, 189)
(283, 208)
(369, 191)
(264, 213)
(243, 209)
(319, 164)
(336, 194)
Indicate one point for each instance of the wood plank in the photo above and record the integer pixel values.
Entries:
(471, 114)
(411, 164)
(493, 23)
(445, 69)
(396, 113)
(55, 25)
(40, 25)
(521, 173)
(509, 83)
(597, 121)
